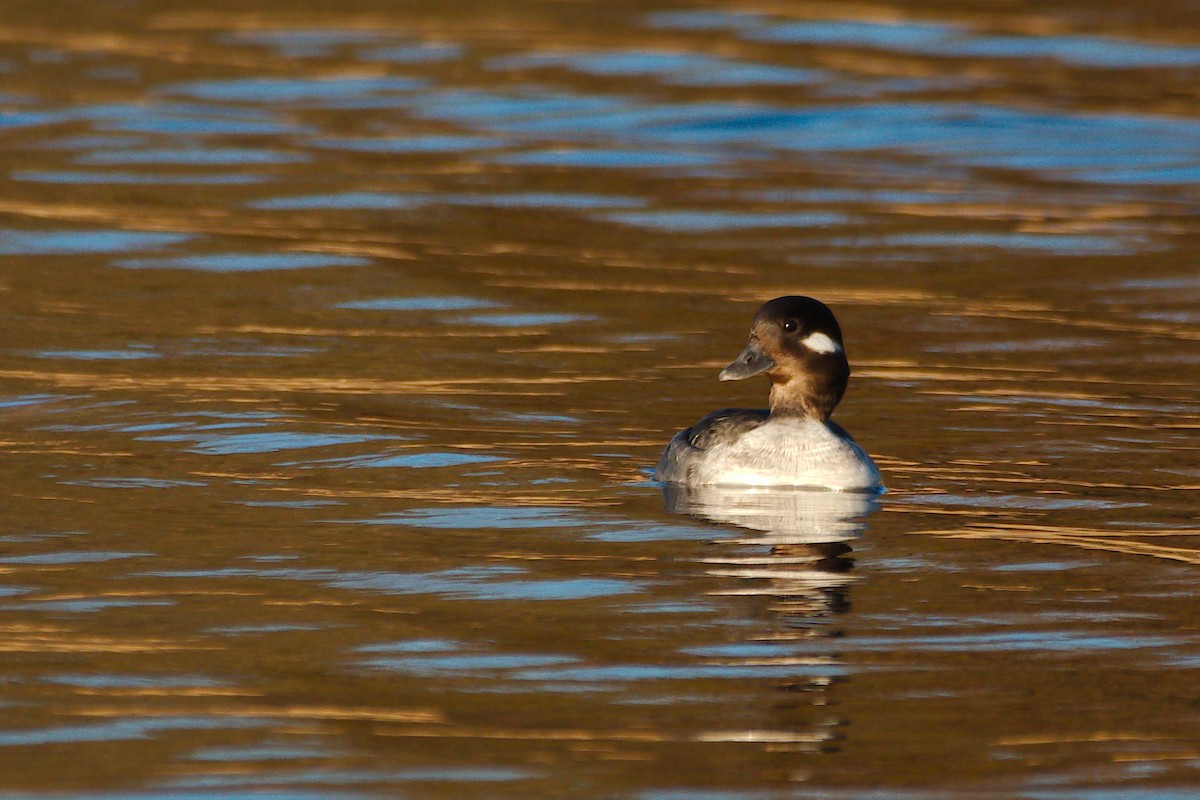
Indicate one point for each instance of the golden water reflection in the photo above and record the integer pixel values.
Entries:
(339, 343)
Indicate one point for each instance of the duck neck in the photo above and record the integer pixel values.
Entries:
(790, 401)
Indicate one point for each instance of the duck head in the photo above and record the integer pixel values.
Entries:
(796, 342)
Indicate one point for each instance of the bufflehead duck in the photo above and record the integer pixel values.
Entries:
(796, 342)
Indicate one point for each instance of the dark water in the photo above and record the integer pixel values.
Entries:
(339, 340)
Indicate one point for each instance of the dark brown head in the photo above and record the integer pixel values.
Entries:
(796, 342)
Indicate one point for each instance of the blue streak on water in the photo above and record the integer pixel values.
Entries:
(184, 119)
(458, 517)
(20, 119)
(349, 776)
(655, 533)
(656, 672)
(290, 503)
(86, 606)
(197, 156)
(522, 320)
(311, 91)
(281, 627)
(264, 793)
(1088, 51)
(303, 42)
(412, 646)
(427, 303)
(245, 262)
(72, 557)
(28, 400)
(432, 666)
(467, 583)
(610, 158)
(1101, 793)
(550, 200)
(419, 53)
(111, 681)
(404, 461)
(97, 355)
(260, 753)
(352, 201)
(679, 68)
(122, 730)
(1063, 244)
(138, 178)
(908, 36)
(744, 650)
(133, 483)
(697, 220)
(966, 134)
(401, 145)
(83, 242)
(479, 584)
(1049, 641)
(266, 442)
(1031, 502)
(946, 39)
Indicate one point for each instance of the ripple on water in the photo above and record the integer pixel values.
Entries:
(495, 517)
(264, 752)
(695, 221)
(522, 320)
(412, 646)
(400, 460)
(403, 144)
(72, 557)
(260, 784)
(29, 400)
(1048, 641)
(613, 158)
(193, 156)
(675, 68)
(938, 39)
(490, 583)
(138, 178)
(573, 200)
(187, 119)
(126, 681)
(87, 606)
(426, 303)
(1123, 148)
(1030, 502)
(1058, 243)
(347, 201)
(416, 53)
(304, 42)
(134, 483)
(463, 663)
(265, 442)
(138, 354)
(83, 242)
(313, 92)
(245, 262)
(124, 729)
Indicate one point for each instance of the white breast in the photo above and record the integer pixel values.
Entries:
(789, 452)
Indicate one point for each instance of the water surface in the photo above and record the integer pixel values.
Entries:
(341, 340)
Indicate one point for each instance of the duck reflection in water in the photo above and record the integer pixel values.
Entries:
(806, 536)
(795, 557)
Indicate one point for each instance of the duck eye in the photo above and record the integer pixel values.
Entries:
(791, 325)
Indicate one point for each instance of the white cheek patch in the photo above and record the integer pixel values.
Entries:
(820, 343)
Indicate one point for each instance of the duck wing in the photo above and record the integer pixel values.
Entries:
(718, 427)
